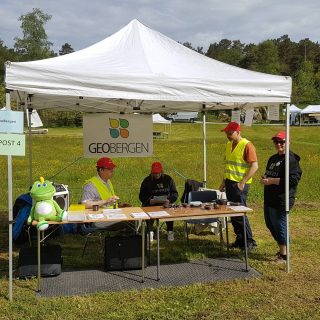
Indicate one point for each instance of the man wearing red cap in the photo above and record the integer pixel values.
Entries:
(153, 188)
(240, 165)
(274, 192)
(98, 190)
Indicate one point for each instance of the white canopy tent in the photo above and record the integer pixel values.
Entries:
(138, 69)
(294, 114)
(158, 118)
(311, 111)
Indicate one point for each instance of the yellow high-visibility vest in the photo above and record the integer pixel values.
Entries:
(102, 189)
(236, 168)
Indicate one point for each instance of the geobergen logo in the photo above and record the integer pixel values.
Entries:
(118, 127)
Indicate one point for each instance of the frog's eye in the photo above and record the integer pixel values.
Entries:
(44, 184)
(39, 185)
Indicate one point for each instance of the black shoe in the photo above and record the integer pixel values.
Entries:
(236, 245)
(250, 246)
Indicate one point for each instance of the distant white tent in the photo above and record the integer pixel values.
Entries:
(35, 119)
(294, 115)
(294, 109)
(310, 115)
(311, 109)
(158, 118)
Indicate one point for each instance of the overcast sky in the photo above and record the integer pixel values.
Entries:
(82, 23)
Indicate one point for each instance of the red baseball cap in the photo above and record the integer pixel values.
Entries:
(232, 126)
(156, 167)
(105, 163)
(279, 136)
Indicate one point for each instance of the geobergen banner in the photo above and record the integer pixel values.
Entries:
(117, 135)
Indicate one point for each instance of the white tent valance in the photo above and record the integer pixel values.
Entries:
(138, 68)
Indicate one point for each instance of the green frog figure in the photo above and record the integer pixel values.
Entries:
(44, 207)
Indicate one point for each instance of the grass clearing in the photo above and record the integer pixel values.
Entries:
(277, 295)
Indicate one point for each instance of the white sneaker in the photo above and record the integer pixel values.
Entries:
(170, 236)
(151, 236)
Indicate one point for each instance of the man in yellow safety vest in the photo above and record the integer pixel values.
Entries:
(240, 165)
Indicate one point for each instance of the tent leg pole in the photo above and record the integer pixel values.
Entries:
(287, 148)
(30, 141)
(8, 107)
(204, 150)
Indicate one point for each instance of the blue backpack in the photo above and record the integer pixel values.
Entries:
(21, 211)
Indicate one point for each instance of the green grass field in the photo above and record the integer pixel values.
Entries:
(277, 295)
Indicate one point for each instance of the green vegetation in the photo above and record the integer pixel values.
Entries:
(276, 295)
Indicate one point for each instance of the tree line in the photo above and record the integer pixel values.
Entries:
(281, 56)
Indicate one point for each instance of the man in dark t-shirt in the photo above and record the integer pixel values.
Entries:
(158, 188)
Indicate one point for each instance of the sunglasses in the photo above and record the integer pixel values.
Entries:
(279, 142)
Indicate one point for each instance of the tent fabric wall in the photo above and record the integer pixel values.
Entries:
(138, 68)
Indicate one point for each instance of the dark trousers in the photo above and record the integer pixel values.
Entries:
(234, 194)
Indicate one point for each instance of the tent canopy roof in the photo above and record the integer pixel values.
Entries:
(311, 109)
(140, 69)
(294, 109)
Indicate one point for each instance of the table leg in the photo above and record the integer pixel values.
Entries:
(158, 250)
(143, 249)
(245, 240)
(39, 259)
(227, 236)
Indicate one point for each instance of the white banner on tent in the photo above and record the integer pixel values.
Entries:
(235, 116)
(273, 112)
(249, 117)
(117, 135)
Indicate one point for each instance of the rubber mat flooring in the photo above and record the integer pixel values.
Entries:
(81, 282)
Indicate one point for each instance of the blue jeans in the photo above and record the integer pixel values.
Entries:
(276, 222)
(236, 195)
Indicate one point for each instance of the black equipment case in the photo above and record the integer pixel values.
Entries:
(124, 253)
(51, 261)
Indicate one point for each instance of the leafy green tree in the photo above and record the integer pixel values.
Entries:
(304, 86)
(65, 49)
(267, 57)
(34, 44)
(227, 51)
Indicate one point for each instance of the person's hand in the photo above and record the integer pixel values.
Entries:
(264, 180)
(241, 185)
(222, 187)
(112, 200)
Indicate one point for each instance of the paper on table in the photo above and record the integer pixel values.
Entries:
(115, 216)
(76, 217)
(95, 216)
(108, 211)
(239, 208)
(157, 214)
(139, 215)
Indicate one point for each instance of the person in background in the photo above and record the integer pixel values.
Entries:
(240, 165)
(274, 192)
(154, 186)
(98, 190)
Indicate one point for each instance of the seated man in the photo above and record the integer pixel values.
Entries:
(156, 189)
(98, 190)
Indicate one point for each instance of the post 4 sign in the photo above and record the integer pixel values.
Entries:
(12, 144)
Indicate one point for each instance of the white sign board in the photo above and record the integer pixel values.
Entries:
(11, 121)
(12, 144)
(235, 116)
(117, 135)
(273, 112)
